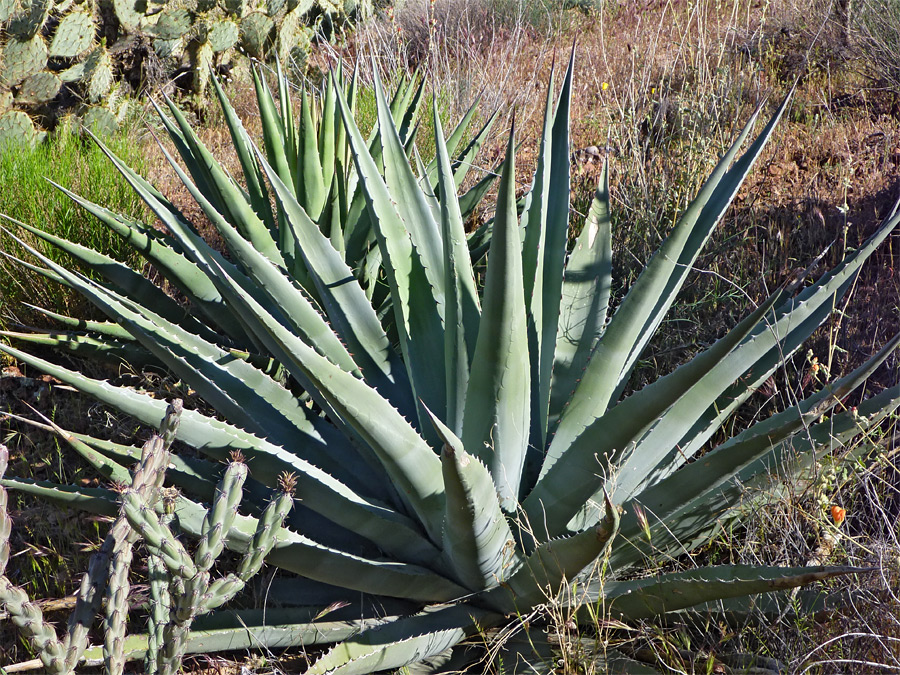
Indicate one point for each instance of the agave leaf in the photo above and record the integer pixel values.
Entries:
(456, 136)
(466, 159)
(428, 192)
(93, 500)
(122, 277)
(310, 182)
(462, 311)
(165, 254)
(249, 636)
(765, 350)
(108, 468)
(217, 439)
(544, 252)
(406, 106)
(349, 311)
(256, 185)
(223, 195)
(296, 308)
(567, 484)
(534, 224)
(424, 343)
(138, 182)
(586, 288)
(351, 90)
(248, 629)
(477, 538)
(415, 306)
(404, 641)
(796, 416)
(273, 130)
(42, 271)
(470, 200)
(697, 500)
(109, 350)
(645, 598)
(287, 126)
(643, 308)
(766, 608)
(105, 328)
(408, 460)
(496, 420)
(328, 142)
(110, 458)
(147, 240)
(335, 216)
(552, 564)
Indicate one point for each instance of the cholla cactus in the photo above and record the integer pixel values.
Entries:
(107, 575)
(187, 590)
(180, 584)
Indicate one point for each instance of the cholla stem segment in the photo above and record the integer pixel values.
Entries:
(180, 587)
(190, 589)
(107, 573)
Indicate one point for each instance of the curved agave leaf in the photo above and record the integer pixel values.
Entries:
(404, 641)
(477, 538)
(643, 308)
(645, 598)
(103, 328)
(408, 460)
(553, 563)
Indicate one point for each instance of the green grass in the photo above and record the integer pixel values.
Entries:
(79, 165)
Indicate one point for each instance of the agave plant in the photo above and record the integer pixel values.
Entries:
(464, 450)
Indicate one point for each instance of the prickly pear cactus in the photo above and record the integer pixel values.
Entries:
(64, 56)
(16, 128)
